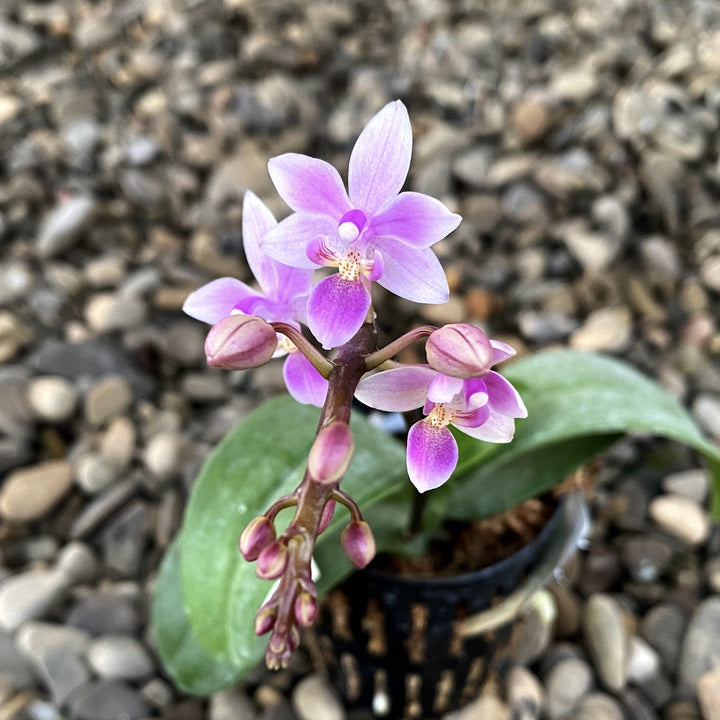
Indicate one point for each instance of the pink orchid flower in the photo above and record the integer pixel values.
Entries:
(482, 407)
(282, 297)
(373, 232)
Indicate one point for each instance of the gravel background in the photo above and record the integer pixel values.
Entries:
(579, 139)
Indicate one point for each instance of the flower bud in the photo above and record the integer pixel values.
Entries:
(272, 561)
(306, 608)
(358, 543)
(259, 533)
(459, 350)
(331, 453)
(239, 342)
(265, 619)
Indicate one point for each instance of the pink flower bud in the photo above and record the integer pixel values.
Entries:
(259, 533)
(306, 608)
(265, 619)
(460, 351)
(358, 543)
(326, 517)
(331, 452)
(239, 342)
(272, 561)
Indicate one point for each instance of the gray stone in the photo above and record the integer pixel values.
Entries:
(643, 661)
(117, 442)
(706, 409)
(105, 613)
(700, 649)
(64, 225)
(693, 484)
(123, 539)
(94, 472)
(663, 627)
(163, 454)
(102, 507)
(107, 312)
(646, 556)
(16, 280)
(119, 656)
(231, 704)
(606, 639)
(107, 700)
(13, 667)
(598, 706)
(604, 330)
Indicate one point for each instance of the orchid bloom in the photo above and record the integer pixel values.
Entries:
(373, 232)
(282, 297)
(483, 407)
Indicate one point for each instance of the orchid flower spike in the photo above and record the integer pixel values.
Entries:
(483, 407)
(282, 297)
(372, 232)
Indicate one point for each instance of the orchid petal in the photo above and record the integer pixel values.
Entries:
(257, 220)
(503, 396)
(303, 381)
(380, 160)
(287, 241)
(336, 309)
(444, 388)
(309, 185)
(432, 455)
(319, 253)
(217, 299)
(496, 429)
(501, 351)
(416, 219)
(413, 274)
(396, 390)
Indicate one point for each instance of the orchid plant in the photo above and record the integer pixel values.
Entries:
(273, 462)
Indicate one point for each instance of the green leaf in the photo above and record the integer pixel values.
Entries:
(263, 458)
(192, 668)
(578, 403)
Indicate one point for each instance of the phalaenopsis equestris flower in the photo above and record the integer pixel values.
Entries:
(372, 232)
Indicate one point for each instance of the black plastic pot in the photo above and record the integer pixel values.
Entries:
(417, 647)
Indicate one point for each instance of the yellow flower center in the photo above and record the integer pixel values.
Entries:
(350, 266)
(439, 416)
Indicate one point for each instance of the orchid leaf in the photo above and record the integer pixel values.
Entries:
(578, 403)
(261, 459)
(193, 669)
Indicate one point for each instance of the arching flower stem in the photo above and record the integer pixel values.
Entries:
(316, 358)
(377, 358)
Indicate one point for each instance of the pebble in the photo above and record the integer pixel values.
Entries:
(680, 516)
(643, 661)
(52, 398)
(14, 336)
(123, 539)
(101, 507)
(32, 593)
(313, 698)
(646, 557)
(693, 484)
(604, 330)
(524, 693)
(699, 648)
(706, 409)
(107, 312)
(119, 656)
(598, 706)
(163, 454)
(708, 690)
(606, 639)
(94, 472)
(106, 399)
(31, 492)
(568, 681)
(117, 442)
(107, 700)
(486, 706)
(64, 225)
(14, 669)
(105, 613)
(663, 627)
